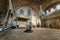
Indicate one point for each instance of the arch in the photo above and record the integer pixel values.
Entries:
(25, 6)
(27, 9)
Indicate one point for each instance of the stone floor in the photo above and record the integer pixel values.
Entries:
(37, 34)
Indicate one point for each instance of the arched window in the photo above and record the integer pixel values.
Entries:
(47, 11)
(35, 15)
(58, 7)
(29, 12)
(52, 9)
(21, 11)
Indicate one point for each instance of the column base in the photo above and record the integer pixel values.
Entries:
(28, 31)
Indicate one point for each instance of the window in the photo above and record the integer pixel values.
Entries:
(21, 11)
(52, 9)
(47, 11)
(35, 15)
(29, 12)
(58, 7)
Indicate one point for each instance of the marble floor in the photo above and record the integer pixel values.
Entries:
(37, 34)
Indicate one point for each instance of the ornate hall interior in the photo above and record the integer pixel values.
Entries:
(29, 19)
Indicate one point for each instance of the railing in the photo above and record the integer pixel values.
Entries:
(5, 21)
(4, 28)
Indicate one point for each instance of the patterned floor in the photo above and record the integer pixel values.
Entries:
(37, 34)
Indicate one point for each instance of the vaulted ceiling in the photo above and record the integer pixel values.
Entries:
(35, 4)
